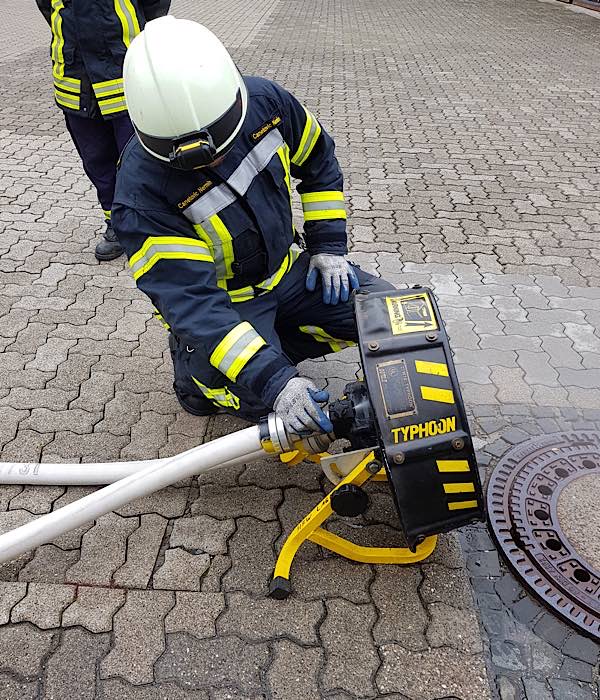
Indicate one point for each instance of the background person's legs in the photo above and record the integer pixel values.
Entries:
(99, 144)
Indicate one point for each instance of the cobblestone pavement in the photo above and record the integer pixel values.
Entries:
(468, 132)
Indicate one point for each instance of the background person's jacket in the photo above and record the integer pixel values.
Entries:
(89, 41)
(201, 242)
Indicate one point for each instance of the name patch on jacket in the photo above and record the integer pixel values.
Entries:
(265, 128)
(193, 196)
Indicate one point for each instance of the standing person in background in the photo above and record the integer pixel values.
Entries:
(89, 41)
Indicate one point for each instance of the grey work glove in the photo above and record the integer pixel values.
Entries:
(337, 275)
(297, 404)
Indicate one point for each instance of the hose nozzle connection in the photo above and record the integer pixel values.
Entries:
(275, 439)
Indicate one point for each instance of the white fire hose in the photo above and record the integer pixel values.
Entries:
(137, 479)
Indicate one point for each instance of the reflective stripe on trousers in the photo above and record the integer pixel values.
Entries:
(321, 336)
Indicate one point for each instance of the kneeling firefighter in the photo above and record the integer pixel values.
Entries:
(203, 210)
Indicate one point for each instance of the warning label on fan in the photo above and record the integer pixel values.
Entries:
(411, 314)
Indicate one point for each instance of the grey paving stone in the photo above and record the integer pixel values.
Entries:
(13, 689)
(296, 504)
(226, 502)
(570, 690)
(213, 663)
(350, 655)
(536, 690)
(434, 673)
(576, 671)
(444, 585)
(78, 650)
(537, 368)
(508, 655)
(268, 472)
(511, 384)
(50, 355)
(37, 499)
(103, 550)
(138, 636)
(94, 608)
(212, 579)
(448, 551)
(578, 647)
(10, 594)
(264, 618)
(252, 556)
(451, 627)
(181, 570)
(195, 613)
(401, 614)
(75, 421)
(333, 577)
(117, 689)
(509, 688)
(143, 546)
(293, 673)
(49, 564)
(43, 605)
(169, 503)
(202, 533)
(23, 649)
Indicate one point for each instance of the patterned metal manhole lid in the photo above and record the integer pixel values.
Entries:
(545, 518)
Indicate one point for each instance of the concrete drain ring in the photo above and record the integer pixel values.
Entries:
(525, 509)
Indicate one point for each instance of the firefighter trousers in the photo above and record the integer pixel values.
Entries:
(290, 318)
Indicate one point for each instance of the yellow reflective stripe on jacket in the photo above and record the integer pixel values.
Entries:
(284, 156)
(323, 205)
(107, 213)
(66, 99)
(70, 84)
(312, 131)
(236, 349)
(247, 293)
(112, 105)
(158, 248)
(216, 235)
(58, 40)
(220, 397)
(321, 336)
(272, 281)
(129, 20)
(108, 87)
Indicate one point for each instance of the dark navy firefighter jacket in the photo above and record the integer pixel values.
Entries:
(201, 242)
(89, 41)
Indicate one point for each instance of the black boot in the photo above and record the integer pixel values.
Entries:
(109, 247)
(193, 403)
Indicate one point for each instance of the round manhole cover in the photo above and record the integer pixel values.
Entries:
(544, 510)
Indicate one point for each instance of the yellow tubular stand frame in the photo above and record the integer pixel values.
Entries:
(310, 529)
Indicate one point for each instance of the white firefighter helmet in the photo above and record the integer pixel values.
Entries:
(185, 95)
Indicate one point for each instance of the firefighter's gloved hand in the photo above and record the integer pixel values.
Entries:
(337, 275)
(298, 407)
